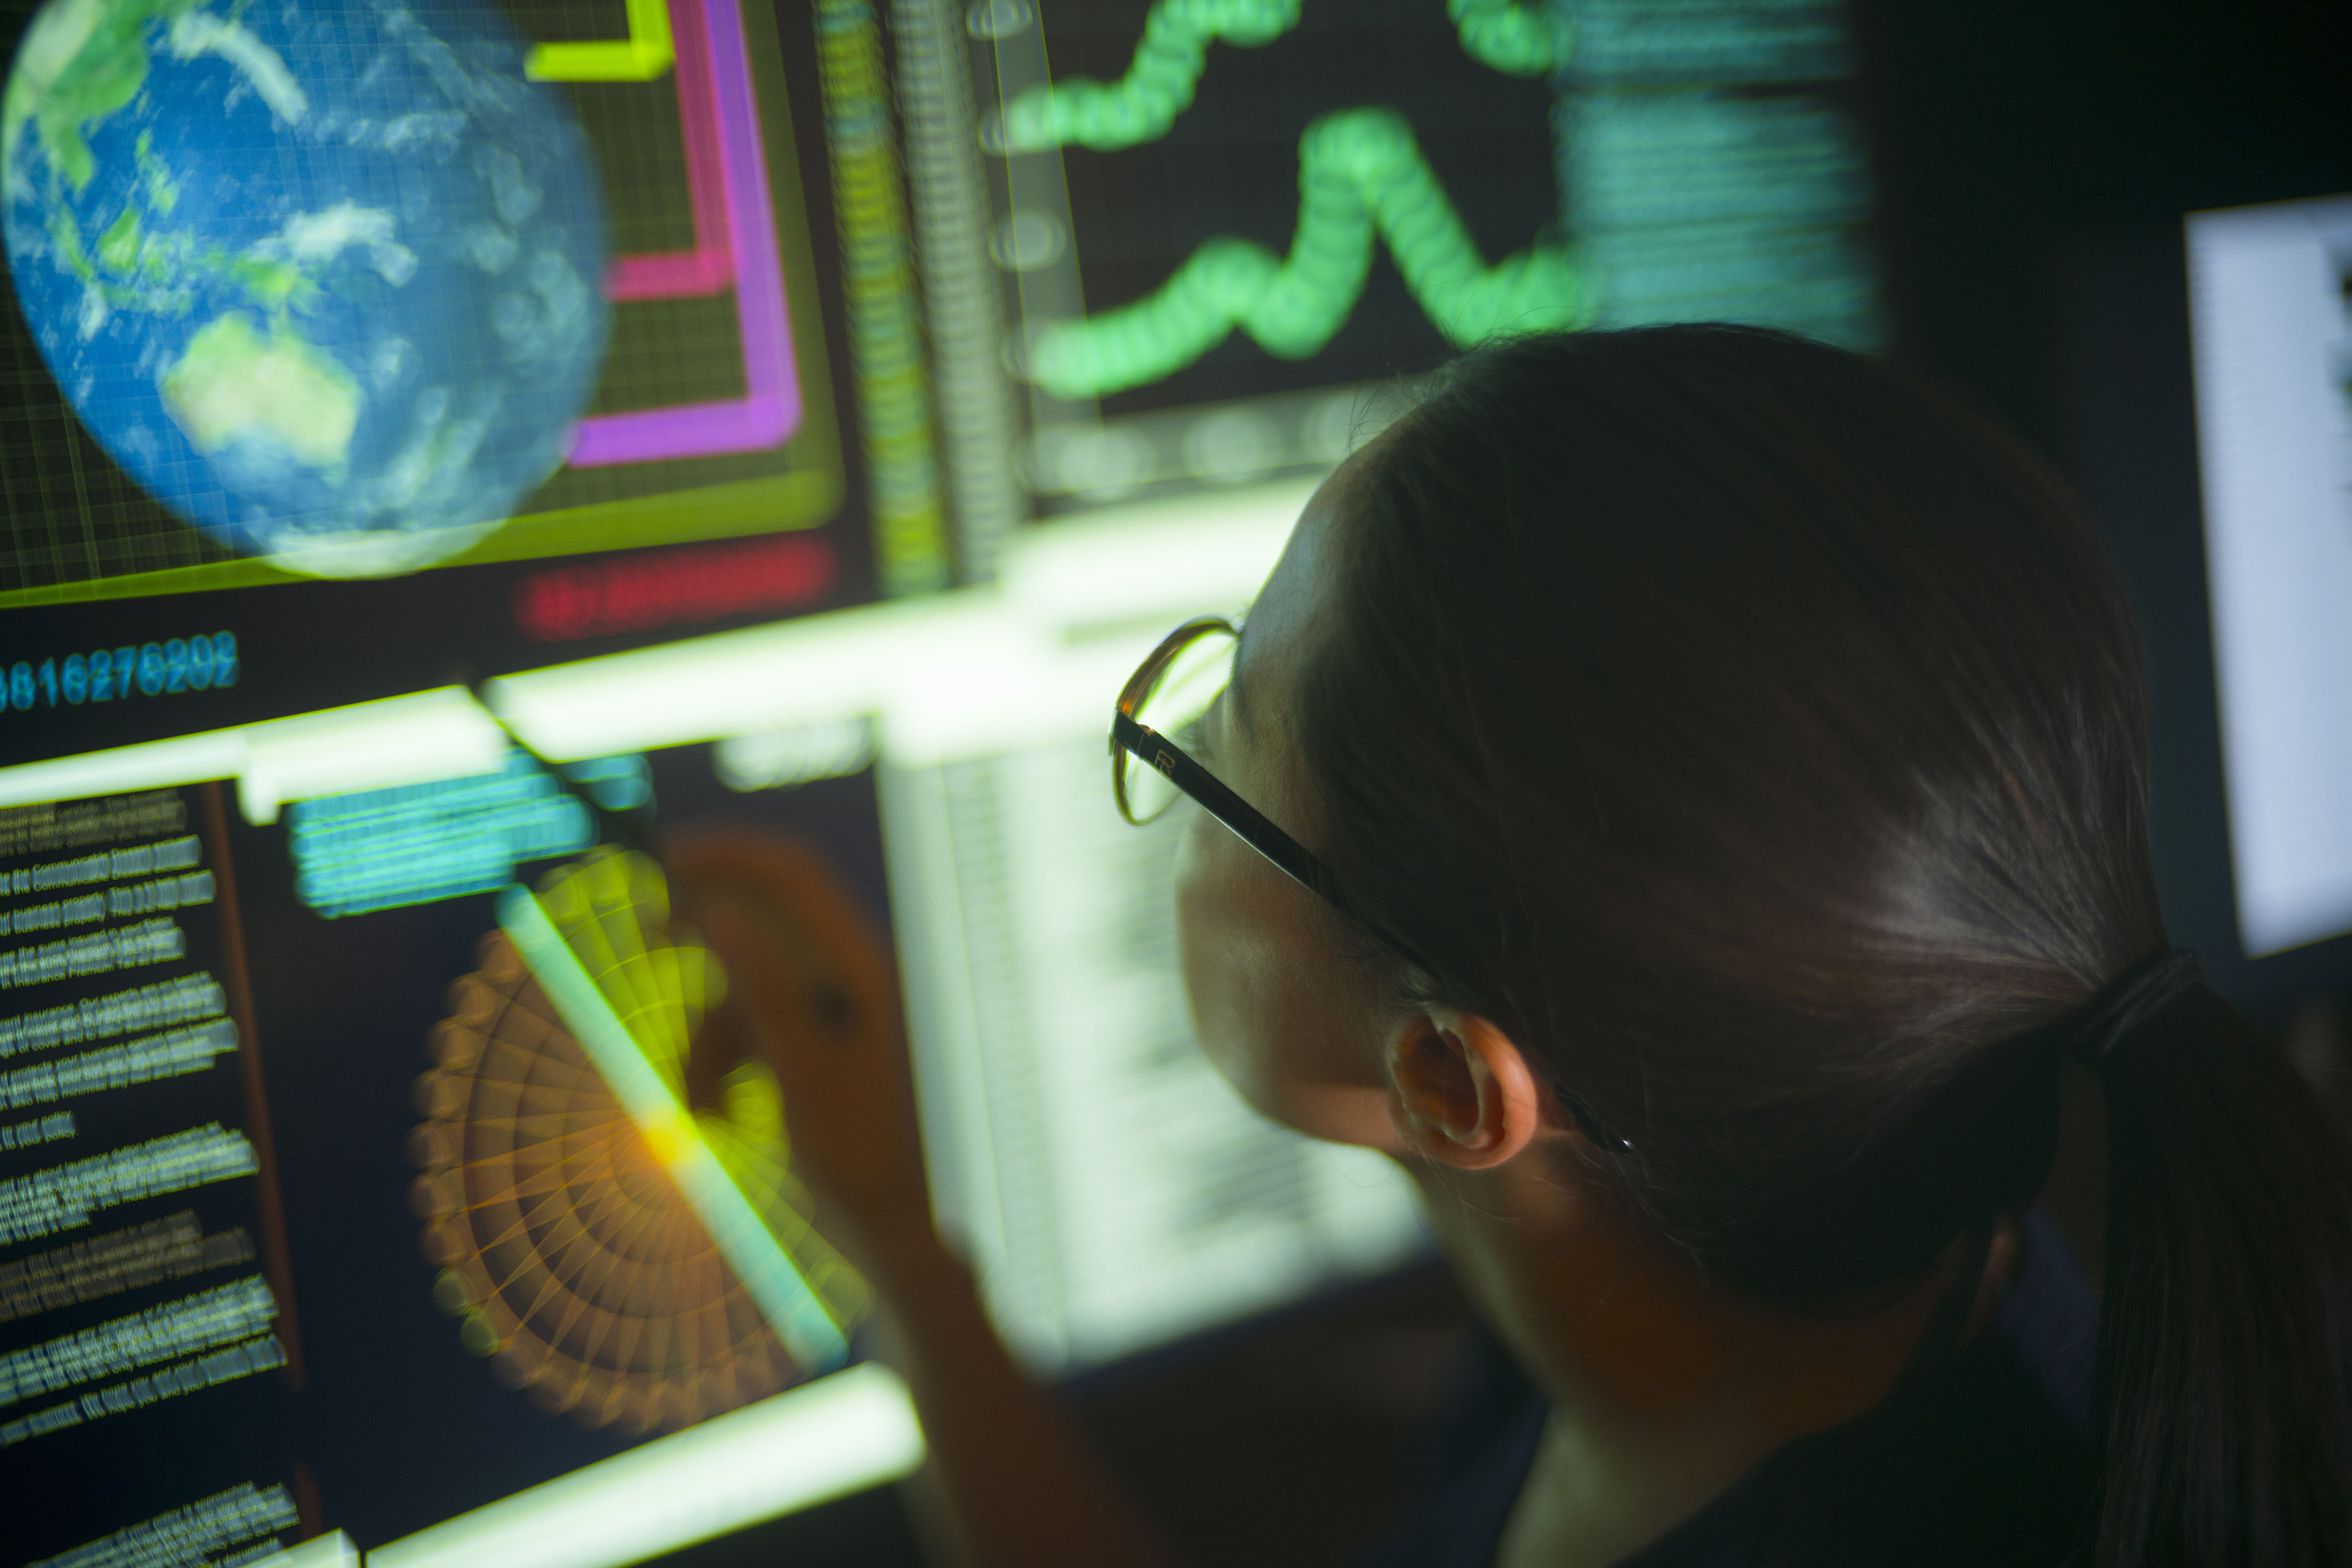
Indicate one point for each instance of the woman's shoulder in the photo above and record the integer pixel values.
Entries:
(1982, 1457)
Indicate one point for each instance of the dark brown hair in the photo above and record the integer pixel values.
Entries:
(1760, 738)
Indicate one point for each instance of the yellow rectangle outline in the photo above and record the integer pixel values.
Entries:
(779, 504)
(644, 55)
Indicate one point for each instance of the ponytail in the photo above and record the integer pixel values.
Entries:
(2228, 1302)
(1759, 738)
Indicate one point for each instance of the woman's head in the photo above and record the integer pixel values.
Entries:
(1751, 735)
(1757, 738)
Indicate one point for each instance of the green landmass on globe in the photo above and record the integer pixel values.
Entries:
(323, 280)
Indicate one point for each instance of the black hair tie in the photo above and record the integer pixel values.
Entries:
(2130, 1000)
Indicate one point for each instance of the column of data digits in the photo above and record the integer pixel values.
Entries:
(1113, 1193)
(145, 1294)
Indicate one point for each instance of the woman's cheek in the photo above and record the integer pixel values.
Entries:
(1266, 1002)
(1238, 939)
(1211, 934)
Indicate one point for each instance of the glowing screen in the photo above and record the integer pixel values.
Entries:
(2270, 317)
(447, 444)
(1193, 241)
(351, 290)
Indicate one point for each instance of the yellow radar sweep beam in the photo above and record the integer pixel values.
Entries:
(643, 56)
(743, 1240)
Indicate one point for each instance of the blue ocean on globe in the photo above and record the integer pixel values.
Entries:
(322, 277)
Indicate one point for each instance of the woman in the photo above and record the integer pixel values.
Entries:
(1711, 773)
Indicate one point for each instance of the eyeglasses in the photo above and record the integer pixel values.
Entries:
(1168, 695)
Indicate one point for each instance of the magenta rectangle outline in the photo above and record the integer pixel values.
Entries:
(770, 409)
(709, 267)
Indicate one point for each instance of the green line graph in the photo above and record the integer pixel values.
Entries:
(1360, 174)
(1157, 87)
(1506, 35)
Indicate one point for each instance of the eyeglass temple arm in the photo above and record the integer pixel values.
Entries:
(1252, 828)
(1249, 825)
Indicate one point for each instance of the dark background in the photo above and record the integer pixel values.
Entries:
(2036, 161)
(1230, 166)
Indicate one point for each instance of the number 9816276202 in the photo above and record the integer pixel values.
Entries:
(203, 663)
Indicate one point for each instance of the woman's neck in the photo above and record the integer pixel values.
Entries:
(1665, 1390)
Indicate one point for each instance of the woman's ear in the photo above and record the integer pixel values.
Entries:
(1460, 1090)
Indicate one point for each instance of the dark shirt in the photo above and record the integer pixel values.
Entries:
(1978, 1457)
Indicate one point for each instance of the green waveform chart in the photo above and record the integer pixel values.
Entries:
(1363, 179)
(1142, 106)
(1361, 176)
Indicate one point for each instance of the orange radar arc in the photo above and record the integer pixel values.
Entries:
(567, 1251)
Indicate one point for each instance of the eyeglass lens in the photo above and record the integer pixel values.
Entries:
(1173, 706)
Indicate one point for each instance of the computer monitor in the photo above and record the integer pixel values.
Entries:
(2271, 321)
(435, 433)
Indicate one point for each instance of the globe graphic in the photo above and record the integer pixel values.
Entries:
(322, 277)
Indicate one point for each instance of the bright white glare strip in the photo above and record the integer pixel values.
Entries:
(1171, 558)
(840, 665)
(768, 759)
(823, 1440)
(154, 765)
(1039, 695)
(982, 669)
(421, 738)
(332, 1550)
(415, 739)
(742, 1237)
